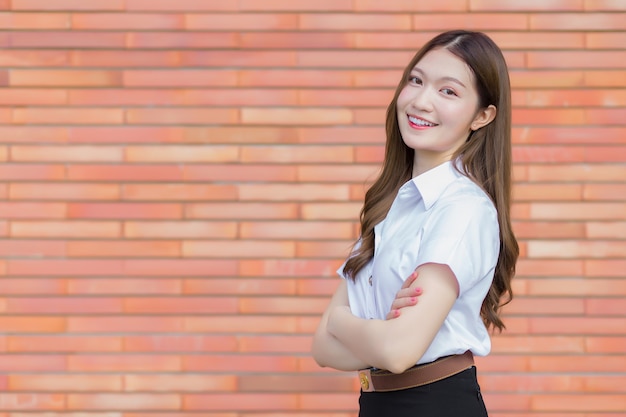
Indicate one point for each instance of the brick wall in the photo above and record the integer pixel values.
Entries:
(180, 179)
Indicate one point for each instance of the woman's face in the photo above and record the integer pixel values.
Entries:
(438, 107)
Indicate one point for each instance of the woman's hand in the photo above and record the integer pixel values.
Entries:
(406, 297)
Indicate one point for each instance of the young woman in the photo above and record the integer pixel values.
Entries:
(435, 224)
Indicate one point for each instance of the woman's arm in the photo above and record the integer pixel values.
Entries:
(327, 349)
(398, 344)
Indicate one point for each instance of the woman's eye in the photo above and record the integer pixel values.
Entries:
(448, 92)
(415, 80)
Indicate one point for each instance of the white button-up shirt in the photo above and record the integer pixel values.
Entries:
(443, 217)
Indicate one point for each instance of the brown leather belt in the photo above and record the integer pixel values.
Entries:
(379, 380)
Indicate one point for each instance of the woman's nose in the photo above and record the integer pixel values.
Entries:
(423, 99)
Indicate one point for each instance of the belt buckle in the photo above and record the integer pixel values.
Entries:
(365, 379)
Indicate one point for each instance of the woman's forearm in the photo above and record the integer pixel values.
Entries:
(329, 351)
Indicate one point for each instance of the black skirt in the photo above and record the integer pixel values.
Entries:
(455, 396)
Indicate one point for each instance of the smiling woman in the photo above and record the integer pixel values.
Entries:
(435, 225)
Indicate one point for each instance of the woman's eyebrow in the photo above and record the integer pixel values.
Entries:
(444, 78)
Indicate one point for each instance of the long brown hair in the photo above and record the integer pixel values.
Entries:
(485, 156)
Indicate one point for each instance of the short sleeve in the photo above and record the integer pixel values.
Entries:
(464, 235)
(357, 245)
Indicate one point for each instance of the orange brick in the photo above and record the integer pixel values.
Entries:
(183, 40)
(538, 268)
(409, 6)
(297, 383)
(576, 325)
(19, 210)
(341, 135)
(21, 21)
(243, 363)
(283, 305)
(306, 230)
(36, 286)
(240, 173)
(332, 173)
(296, 5)
(576, 21)
(526, 5)
(577, 287)
(606, 78)
(178, 154)
(577, 402)
(351, 58)
(123, 59)
(125, 286)
(587, 98)
(294, 78)
(60, 382)
(605, 40)
(604, 267)
(604, 116)
(59, 229)
(245, 402)
(602, 5)
(123, 249)
(577, 172)
(544, 116)
(131, 173)
(325, 249)
(43, 191)
(240, 97)
(64, 343)
(123, 363)
(128, 21)
(178, 267)
(180, 383)
(295, 116)
(240, 134)
(178, 192)
(353, 22)
(67, 39)
(182, 5)
(67, 5)
(177, 305)
(123, 97)
(579, 59)
(33, 58)
(300, 268)
(234, 324)
(68, 115)
(180, 343)
(124, 211)
(550, 230)
(578, 211)
(122, 134)
(107, 401)
(537, 344)
(31, 153)
(472, 21)
(122, 324)
(234, 249)
(239, 286)
(34, 134)
(605, 345)
(291, 192)
(297, 40)
(296, 154)
(236, 211)
(31, 248)
(549, 78)
(605, 307)
(181, 116)
(358, 98)
(616, 192)
(241, 21)
(31, 402)
(606, 230)
(547, 192)
(32, 96)
(229, 58)
(33, 324)
(180, 229)
(64, 78)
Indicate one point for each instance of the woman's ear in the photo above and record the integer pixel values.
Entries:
(484, 117)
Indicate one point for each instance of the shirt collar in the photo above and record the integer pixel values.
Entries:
(433, 182)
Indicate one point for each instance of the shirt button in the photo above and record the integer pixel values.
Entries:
(370, 280)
